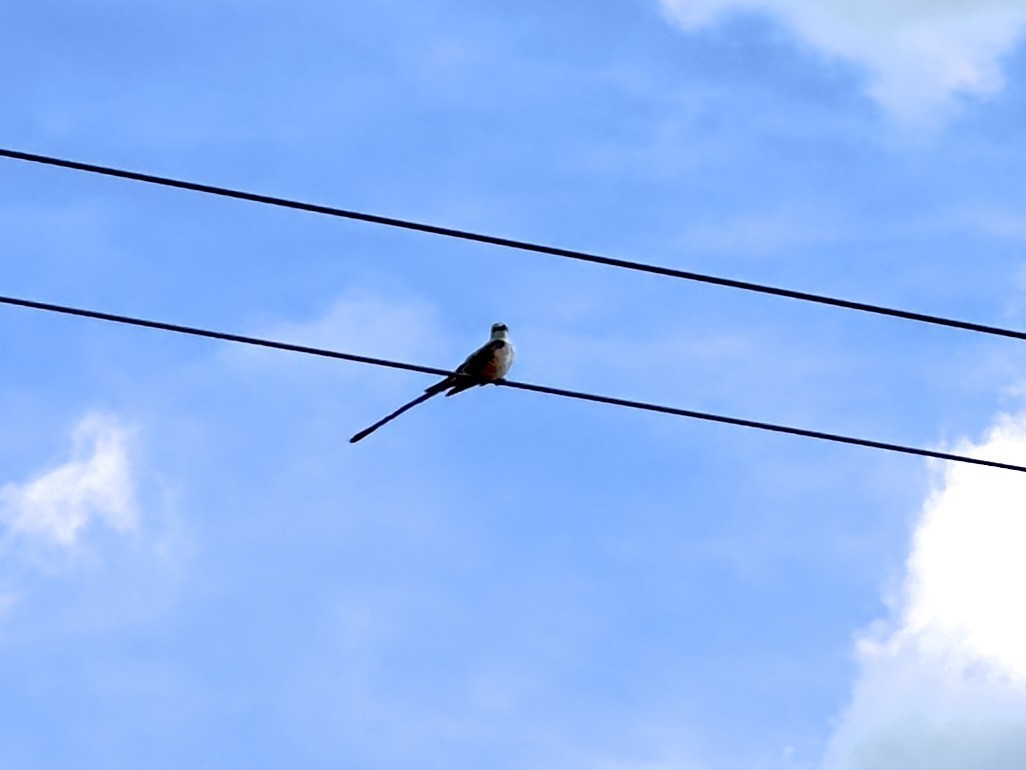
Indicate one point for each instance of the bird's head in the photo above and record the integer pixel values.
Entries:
(499, 331)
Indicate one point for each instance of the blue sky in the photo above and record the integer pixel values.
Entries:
(197, 569)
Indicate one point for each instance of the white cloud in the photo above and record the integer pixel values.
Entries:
(944, 684)
(359, 322)
(94, 486)
(918, 54)
(369, 324)
(7, 600)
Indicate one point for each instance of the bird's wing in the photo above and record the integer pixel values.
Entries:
(474, 370)
(469, 373)
(479, 360)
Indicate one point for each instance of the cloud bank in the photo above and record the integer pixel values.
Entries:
(943, 685)
(919, 55)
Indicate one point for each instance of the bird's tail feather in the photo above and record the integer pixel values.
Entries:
(454, 383)
(464, 383)
(441, 385)
(408, 405)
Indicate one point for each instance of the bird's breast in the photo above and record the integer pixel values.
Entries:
(501, 362)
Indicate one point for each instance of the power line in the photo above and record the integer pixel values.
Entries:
(561, 392)
(510, 243)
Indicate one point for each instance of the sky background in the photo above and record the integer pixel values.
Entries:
(196, 568)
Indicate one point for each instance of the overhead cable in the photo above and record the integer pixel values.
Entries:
(510, 243)
(561, 392)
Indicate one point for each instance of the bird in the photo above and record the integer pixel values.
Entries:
(488, 364)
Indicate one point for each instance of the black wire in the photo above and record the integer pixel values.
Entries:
(521, 245)
(621, 402)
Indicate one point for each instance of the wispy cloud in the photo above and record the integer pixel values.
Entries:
(919, 55)
(93, 487)
(369, 323)
(96, 525)
(361, 322)
(943, 685)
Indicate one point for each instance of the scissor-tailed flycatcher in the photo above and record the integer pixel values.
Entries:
(488, 363)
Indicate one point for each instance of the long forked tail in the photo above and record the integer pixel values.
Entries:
(409, 405)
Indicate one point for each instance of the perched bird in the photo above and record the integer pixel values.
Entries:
(488, 363)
